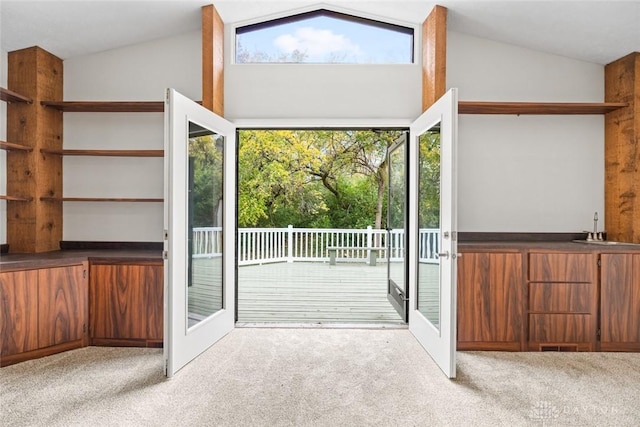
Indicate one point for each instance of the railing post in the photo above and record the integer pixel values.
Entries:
(290, 243)
(369, 242)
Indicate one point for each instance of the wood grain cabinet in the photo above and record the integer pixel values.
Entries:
(562, 301)
(490, 301)
(126, 303)
(18, 312)
(62, 305)
(620, 302)
(43, 311)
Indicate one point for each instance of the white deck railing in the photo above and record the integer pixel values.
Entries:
(264, 245)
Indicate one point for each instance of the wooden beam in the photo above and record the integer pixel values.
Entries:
(34, 226)
(434, 56)
(622, 150)
(212, 60)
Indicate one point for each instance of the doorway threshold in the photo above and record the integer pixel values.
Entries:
(321, 325)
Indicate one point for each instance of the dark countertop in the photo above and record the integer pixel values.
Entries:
(12, 262)
(520, 246)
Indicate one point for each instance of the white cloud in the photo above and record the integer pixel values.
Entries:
(318, 44)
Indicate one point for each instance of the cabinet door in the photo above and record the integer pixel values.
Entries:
(620, 299)
(490, 304)
(62, 305)
(126, 301)
(18, 312)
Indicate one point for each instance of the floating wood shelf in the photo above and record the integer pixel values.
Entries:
(106, 153)
(16, 199)
(99, 199)
(106, 106)
(11, 96)
(10, 146)
(540, 108)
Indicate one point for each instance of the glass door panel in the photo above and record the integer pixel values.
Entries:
(396, 220)
(205, 228)
(428, 286)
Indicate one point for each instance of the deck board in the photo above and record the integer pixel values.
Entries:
(307, 292)
(314, 293)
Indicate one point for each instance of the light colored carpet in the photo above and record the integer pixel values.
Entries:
(321, 377)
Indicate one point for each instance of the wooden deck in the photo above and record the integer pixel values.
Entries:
(307, 292)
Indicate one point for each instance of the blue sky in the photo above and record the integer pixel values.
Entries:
(327, 39)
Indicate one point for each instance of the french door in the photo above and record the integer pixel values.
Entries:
(422, 230)
(199, 223)
(432, 254)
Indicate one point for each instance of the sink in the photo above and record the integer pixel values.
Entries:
(606, 243)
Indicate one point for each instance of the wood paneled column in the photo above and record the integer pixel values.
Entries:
(434, 56)
(622, 150)
(34, 226)
(212, 60)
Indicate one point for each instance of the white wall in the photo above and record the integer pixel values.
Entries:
(3, 153)
(526, 173)
(535, 173)
(135, 73)
(321, 91)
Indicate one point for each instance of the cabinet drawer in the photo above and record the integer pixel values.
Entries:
(559, 328)
(562, 267)
(560, 297)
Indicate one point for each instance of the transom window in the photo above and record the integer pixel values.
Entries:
(324, 36)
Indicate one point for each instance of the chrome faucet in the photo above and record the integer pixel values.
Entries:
(591, 236)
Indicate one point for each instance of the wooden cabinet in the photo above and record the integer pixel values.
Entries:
(490, 301)
(127, 303)
(18, 312)
(620, 302)
(562, 301)
(62, 305)
(44, 311)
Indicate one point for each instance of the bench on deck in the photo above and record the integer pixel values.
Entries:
(373, 252)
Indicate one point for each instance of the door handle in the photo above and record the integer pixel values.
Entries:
(446, 255)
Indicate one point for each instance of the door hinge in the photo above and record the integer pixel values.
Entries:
(165, 234)
(165, 255)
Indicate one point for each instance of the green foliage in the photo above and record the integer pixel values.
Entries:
(319, 178)
(206, 157)
(315, 179)
(429, 180)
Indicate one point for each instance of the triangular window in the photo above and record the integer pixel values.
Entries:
(324, 37)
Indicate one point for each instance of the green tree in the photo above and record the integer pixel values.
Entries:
(206, 157)
(429, 180)
(313, 178)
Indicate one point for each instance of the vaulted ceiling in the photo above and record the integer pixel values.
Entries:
(594, 31)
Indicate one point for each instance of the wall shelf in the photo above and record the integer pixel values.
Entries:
(106, 106)
(539, 108)
(10, 146)
(11, 96)
(100, 199)
(107, 153)
(16, 199)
